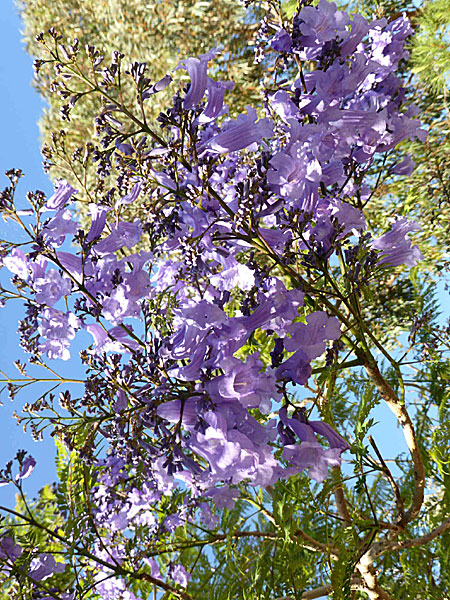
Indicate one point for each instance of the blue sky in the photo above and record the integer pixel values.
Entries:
(20, 110)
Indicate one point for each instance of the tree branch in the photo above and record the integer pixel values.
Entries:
(371, 587)
(423, 539)
(399, 410)
(341, 502)
(387, 473)
(356, 584)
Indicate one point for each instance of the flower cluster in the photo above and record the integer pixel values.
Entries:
(247, 216)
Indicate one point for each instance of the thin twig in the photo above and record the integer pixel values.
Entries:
(387, 473)
(423, 539)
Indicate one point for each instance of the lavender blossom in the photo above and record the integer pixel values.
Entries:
(197, 70)
(63, 193)
(395, 246)
(244, 132)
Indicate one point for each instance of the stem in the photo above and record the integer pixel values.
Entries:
(387, 473)
(399, 410)
(423, 539)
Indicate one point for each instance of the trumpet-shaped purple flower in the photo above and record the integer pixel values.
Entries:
(197, 69)
(125, 234)
(112, 588)
(216, 96)
(179, 574)
(63, 193)
(295, 175)
(112, 340)
(283, 105)
(395, 246)
(58, 329)
(56, 228)
(17, 262)
(246, 383)
(312, 457)
(224, 497)
(44, 565)
(236, 275)
(131, 197)
(50, 288)
(405, 167)
(281, 41)
(243, 132)
(27, 468)
(98, 221)
(119, 305)
(334, 439)
(318, 25)
(307, 341)
(9, 550)
(311, 336)
(176, 410)
(73, 264)
(309, 454)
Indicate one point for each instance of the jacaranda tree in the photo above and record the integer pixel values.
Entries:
(238, 335)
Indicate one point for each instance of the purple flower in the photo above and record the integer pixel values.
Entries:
(309, 454)
(295, 175)
(281, 41)
(307, 341)
(405, 167)
(112, 588)
(224, 497)
(246, 383)
(121, 403)
(243, 132)
(58, 328)
(50, 288)
(112, 340)
(9, 550)
(119, 305)
(174, 410)
(359, 29)
(56, 229)
(17, 262)
(63, 192)
(172, 522)
(70, 262)
(179, 574)
(125, 234)
(44, 565)
(395, 246)
(197, 69)
(27, 468)
(163, 179)
(159, 86)
(297, 368)
(154, 567)
(322, 23)
(334, 439)
(216, 95)
(236, 275)
(131, 197)
(98, 215)
(312, 335)
(283, 105)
